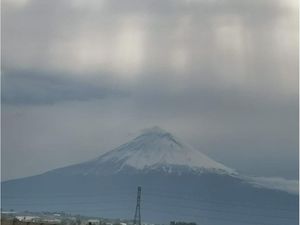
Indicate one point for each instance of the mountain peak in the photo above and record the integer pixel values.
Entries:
(156, 148)
(155, 134)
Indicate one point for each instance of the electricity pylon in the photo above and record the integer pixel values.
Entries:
(137, 214)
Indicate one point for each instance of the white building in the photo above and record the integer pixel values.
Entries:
(27, 218)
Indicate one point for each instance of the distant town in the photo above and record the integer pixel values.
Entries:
(60, 218)
(10, 217)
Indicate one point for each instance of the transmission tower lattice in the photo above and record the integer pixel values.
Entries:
(137, 214)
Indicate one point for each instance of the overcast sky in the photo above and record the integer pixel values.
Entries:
(81, 77)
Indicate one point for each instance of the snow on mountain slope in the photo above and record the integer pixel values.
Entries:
(154, 149)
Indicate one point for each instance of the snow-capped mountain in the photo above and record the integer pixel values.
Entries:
(155, 149)
(178, 183)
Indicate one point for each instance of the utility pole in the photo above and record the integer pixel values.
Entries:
(137, 215)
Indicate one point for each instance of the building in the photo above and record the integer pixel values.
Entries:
(28, 218)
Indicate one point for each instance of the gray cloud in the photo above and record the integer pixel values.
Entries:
(82, 77)
(226, 40)
(38, 88)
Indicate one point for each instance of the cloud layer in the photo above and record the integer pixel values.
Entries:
(80, 77)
